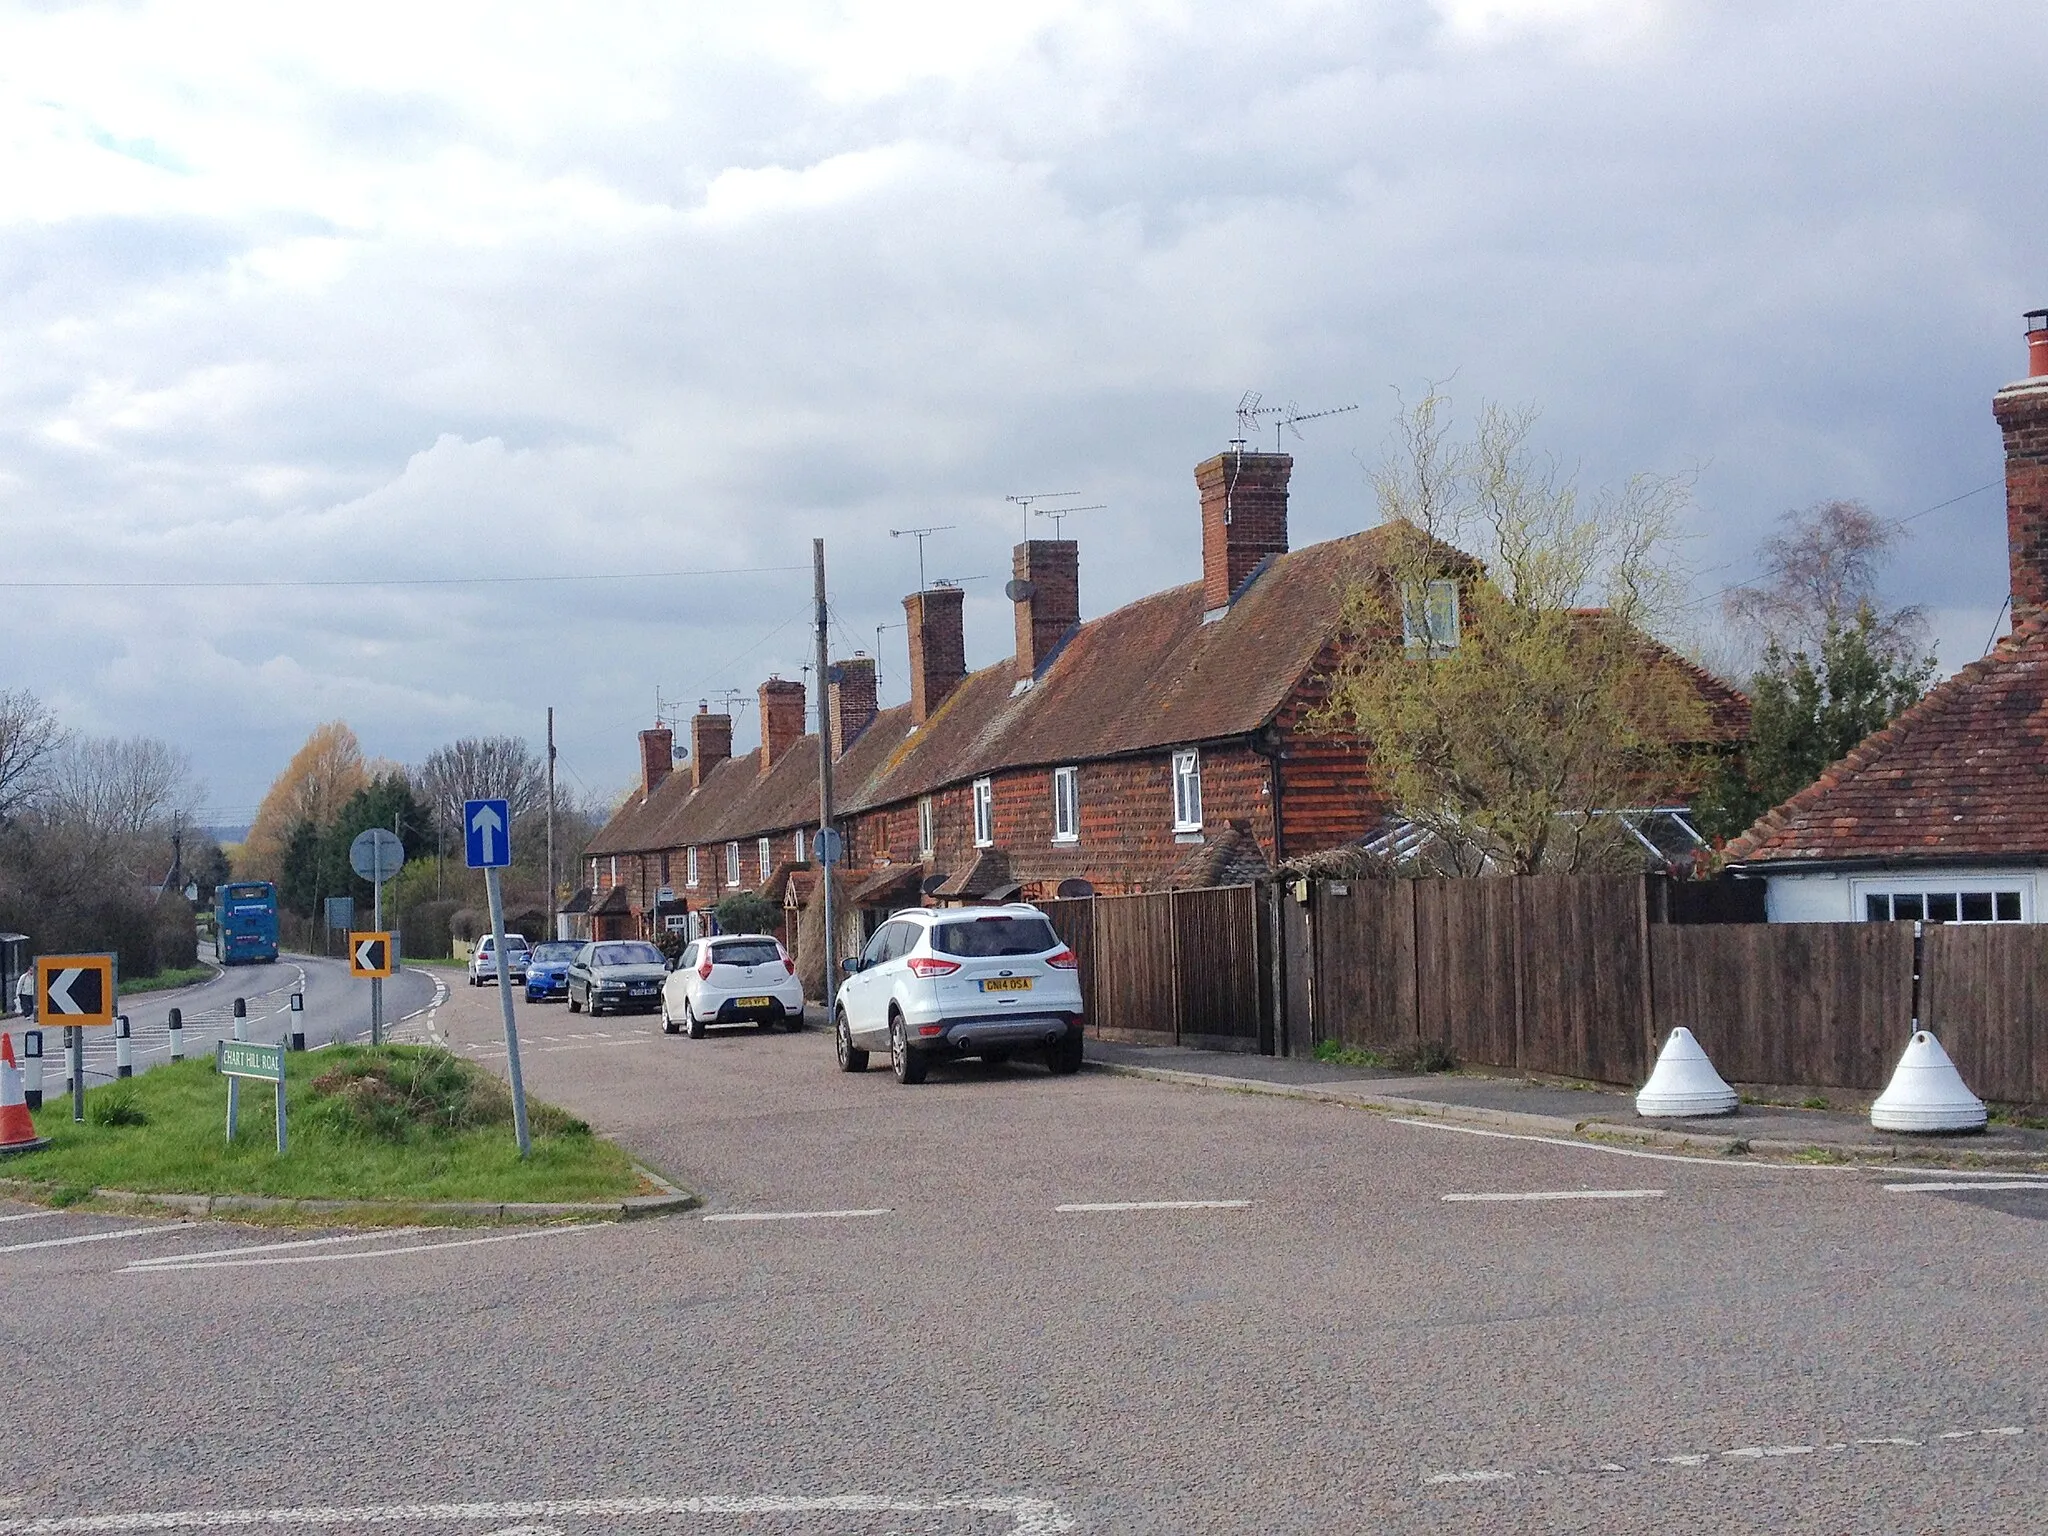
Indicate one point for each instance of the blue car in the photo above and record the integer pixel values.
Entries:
(547, 970)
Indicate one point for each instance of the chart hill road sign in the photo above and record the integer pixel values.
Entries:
(75, 989)
(369, 954)
(245, 1058)
(487, 833)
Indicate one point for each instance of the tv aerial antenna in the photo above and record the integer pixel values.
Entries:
(1290, 419)
(731, 697)
(921, 534)
(1250, 410)
(1056, 513)
(1025, 501)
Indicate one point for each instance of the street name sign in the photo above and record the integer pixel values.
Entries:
(75, 989)
(369, 954)
(341, 912)
(487, 833)
(377, 855)
(245, 1058)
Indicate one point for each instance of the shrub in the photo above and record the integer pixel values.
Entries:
(1421, 1056)
(428, 929)
(115, 1105)
(397, 1095)
(467, 924)
(748, 912)
(177, 934)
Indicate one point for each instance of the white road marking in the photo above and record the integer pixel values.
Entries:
(29, 1216)
(368, 1253)
(1745, 1453)
(310, 1242)
(1758, 1452)
(94, 1237)
(1160, 1205)
(1029, 1517)
(879, 1210)
(1469, 1477)
(1941, 1184)
(1565, 1194)
(1655, 1157)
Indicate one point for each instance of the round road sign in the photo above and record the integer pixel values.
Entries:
(827, 843)
(376, 855)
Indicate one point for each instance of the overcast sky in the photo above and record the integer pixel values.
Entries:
(431, 291)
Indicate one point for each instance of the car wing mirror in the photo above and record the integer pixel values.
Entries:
(850, 964)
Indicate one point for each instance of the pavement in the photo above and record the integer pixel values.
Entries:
(1582, 1109)
(1006, 1302)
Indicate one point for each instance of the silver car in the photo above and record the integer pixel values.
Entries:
(617, 976)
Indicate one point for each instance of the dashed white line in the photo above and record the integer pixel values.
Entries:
(94, 1237)
(309, 1242)
(1654, 1157)
(176, 1265)
(1159, 1205)
(1957, 1184)
(1754, 1454)
(28, 1216)
(879, 1210)
(1561, 1194)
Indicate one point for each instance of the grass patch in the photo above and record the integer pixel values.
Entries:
(1409, 1056)
(396, 1122)
(1346, 1055)
(164, 981)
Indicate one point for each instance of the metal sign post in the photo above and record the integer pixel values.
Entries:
(236, 1059)
(487, 845)
(77, 991)
(377, 855)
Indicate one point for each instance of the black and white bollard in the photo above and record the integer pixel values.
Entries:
(298, 1021)
(241, 1030)
(32, 1067)
(124, 1048)
(176, 1025)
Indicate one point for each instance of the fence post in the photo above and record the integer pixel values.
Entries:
(1649, 986)
(1274, 1042)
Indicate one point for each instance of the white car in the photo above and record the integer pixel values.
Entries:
(732, 978)
(966, 981)
(483, 960)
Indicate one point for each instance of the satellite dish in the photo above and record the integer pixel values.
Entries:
(931, 883)
(678, 752)
(1018, 591)
(835, 673)
(1072, 890)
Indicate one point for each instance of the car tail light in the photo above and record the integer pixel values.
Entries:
(704, 967)
(925, 966)
(1064, 961)
(788, 964)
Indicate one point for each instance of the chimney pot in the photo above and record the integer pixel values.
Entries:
(2037, 343)
(1046, 590)
(1244, 518)
(2021, 410)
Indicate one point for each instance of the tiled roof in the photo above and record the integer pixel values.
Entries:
(1231, 857)
(989, 873)
(1963, 774)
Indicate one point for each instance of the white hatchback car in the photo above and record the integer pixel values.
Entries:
(732, 978)
(483, 960)
(966, 981)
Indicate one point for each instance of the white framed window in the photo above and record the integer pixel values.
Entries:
(1938, 901)
(690, 867)
(764, 850)
(732, 863)
(615, 869)
(927, 827)
(984, 813)
(1187, 791)
(1429, 615)
(797, 843)
(1066, 805)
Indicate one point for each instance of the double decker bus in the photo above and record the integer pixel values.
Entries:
(246, 914)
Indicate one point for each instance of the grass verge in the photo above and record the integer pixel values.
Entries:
(394, 1122)
(1411, 1056)
(164, 981)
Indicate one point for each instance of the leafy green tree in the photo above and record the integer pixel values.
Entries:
(748, 912)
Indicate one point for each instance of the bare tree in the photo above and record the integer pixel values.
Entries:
(482, 768)
(29, 737)
(112, 787)
(1820, 570)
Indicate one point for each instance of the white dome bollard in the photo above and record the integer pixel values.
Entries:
(1927, 1093)
(1684, 1083)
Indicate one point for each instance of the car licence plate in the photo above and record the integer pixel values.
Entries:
(1006, 984)
(753, 1002)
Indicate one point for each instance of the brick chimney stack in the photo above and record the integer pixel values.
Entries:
(938, 648)
(782, 719)
(710, 743)
(657, 758)
(1048, 575)
(2021, 410)
(1244, 518)
(850, 700)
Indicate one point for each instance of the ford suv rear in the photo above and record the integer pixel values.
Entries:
(991, 982)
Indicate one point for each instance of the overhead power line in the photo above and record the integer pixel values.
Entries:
(415, 581)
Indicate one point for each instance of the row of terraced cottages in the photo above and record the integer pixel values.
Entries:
(1164, 745)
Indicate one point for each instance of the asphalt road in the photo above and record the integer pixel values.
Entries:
(337, 1007)
(926, 1341)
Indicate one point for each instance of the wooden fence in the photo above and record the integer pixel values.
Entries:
(1173, 968)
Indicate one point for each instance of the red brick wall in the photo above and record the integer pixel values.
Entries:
(710, 744)
(1244, 517)
(657, 757)
(2022, 414)
(850, 700)
(782, 719)
(938, 648)
(1053, 567)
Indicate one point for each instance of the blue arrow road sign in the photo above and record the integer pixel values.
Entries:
(487, 832)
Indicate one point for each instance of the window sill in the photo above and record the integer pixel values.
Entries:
(979, 843)
(1066, 840)
(1187, 834)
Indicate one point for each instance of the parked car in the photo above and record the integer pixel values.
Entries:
(483, 960)
(617, 976)
(547, 969)
(991, 982)
(732, 978)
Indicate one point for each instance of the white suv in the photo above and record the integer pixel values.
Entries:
(964, 981)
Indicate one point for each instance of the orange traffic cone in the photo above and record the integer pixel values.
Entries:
(17, 1130)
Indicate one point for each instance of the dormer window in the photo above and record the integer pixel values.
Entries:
(1429, 615)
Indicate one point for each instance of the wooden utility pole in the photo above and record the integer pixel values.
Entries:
(824, 770)
(554, 894)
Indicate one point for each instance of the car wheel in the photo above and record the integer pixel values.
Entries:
(574, 1006)
(692, 1025)
(668, 1025)
(1065, 1057)
(851, 1057)
(908, 1065)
